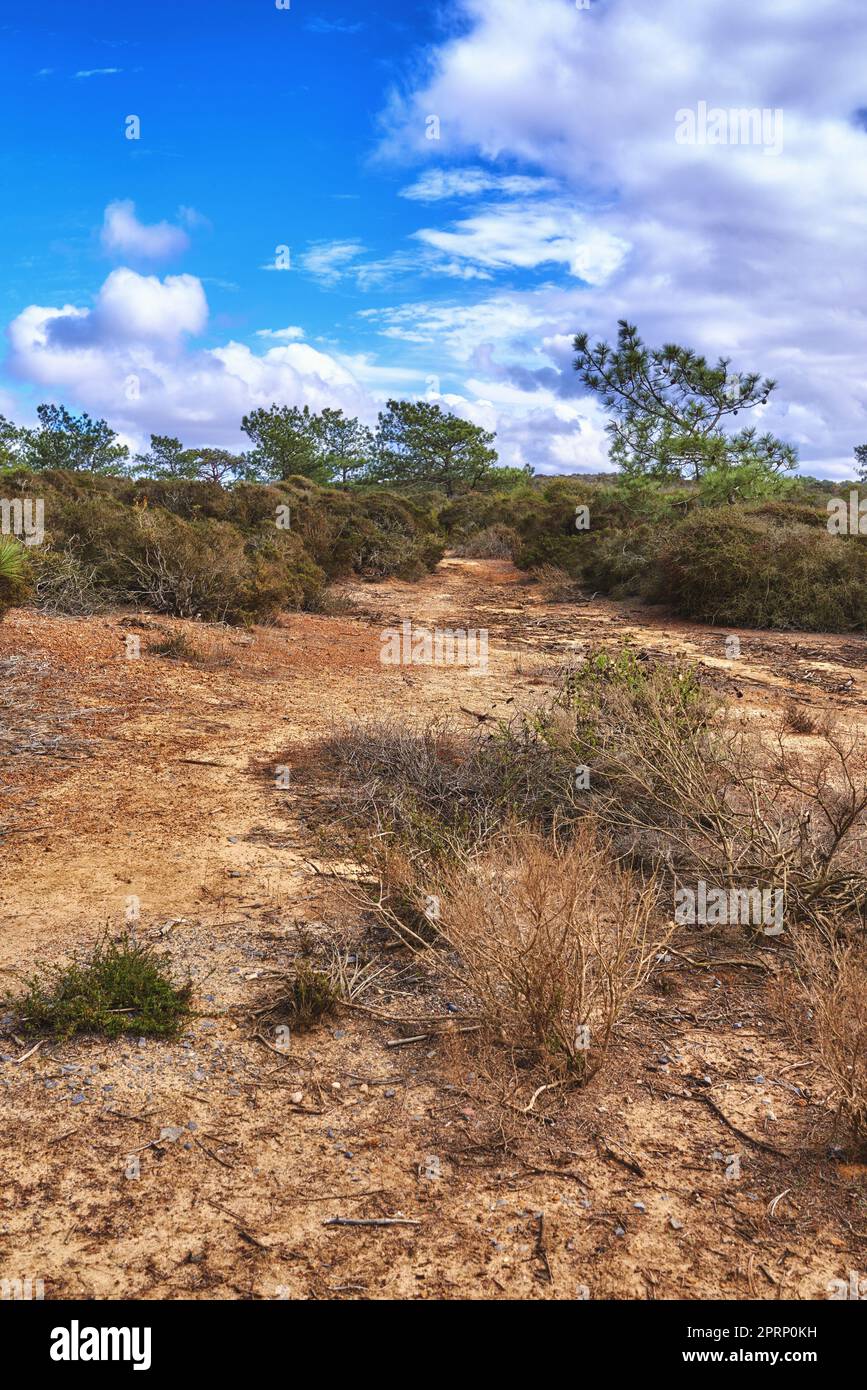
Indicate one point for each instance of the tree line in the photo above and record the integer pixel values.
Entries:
(415, 444)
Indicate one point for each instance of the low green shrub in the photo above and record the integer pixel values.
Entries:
(121, 987)
(740, 568)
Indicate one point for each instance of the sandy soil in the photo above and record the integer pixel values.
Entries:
(154, 780)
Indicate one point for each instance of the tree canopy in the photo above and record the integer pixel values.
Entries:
(420, 444)
(670, 410)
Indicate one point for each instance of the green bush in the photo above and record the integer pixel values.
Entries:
(743, 569)
(120, 988)
(188, 548)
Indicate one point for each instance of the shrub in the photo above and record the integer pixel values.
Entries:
(742, 569)
(191, 548)
(439, 791)
(497, 542)
(554, 941)
(311, 995)
(556, 584)
(121, 987)
(203, 569)
(64, 583)
(832, 983)
(696, 791)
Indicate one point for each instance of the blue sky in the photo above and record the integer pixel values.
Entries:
(139, 278)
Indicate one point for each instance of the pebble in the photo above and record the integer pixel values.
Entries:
(78, 1100)
(675, 1224)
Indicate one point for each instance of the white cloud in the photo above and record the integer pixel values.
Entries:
(283, 335)
(98, 72)
(328, 261)
(129, 359)
(124, 235)
(526, 235)
(731, 252)
(437, 184)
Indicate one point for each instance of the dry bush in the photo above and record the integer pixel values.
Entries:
(554, 939)
(187, 569)
(831, 983)
(209, 647)
(64, 583)
(556, 585)
(695, 787)
(439, 790)
(399, 895)
(497, 542)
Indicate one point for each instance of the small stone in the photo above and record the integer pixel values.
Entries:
(78, 1100)
(619, 1231)
(389, 1093)
(296, 1097)
(675, 1224)
(639, 1206)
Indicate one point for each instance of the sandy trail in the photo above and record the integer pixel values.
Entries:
(154, 780)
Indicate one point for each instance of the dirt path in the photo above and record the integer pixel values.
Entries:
(152, 780)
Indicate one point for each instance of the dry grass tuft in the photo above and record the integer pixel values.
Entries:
(553, 940)
(831, 987)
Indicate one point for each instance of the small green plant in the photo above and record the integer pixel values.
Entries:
(610, 695)
(121, 987)
(312, 994)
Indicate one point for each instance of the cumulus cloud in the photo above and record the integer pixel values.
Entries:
(124, 235)
(130, 358)
(730, 251)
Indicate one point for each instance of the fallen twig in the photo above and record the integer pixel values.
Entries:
(370, 1221)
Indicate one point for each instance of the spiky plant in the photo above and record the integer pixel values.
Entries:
(13, 573)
